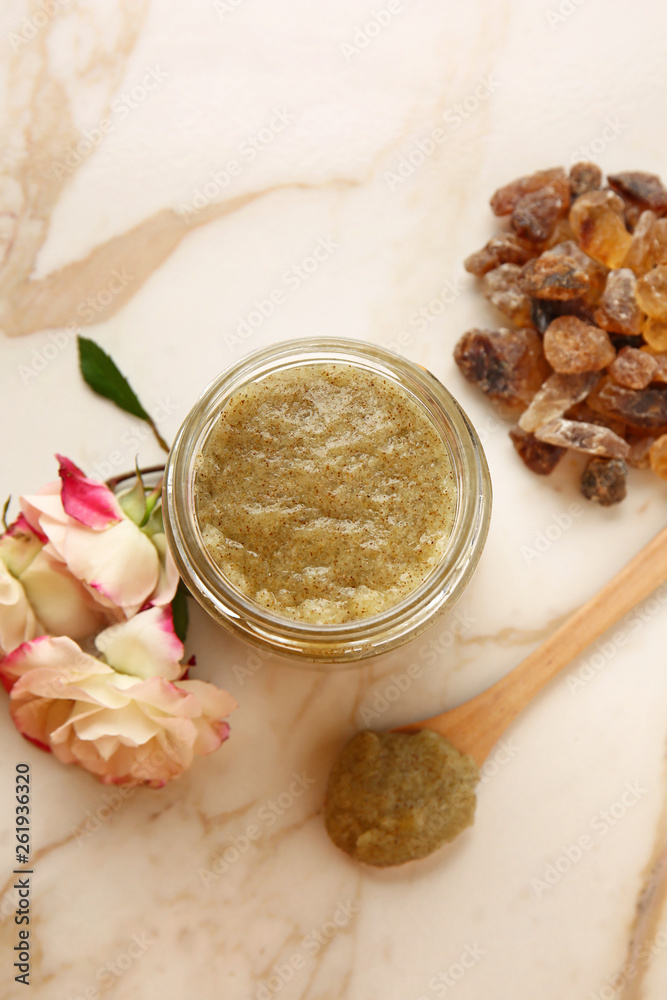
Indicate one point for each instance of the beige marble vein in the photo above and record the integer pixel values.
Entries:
(42, 130)
(650, 913)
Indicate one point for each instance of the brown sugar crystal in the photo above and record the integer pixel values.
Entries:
(504, 249)
(658, 456)
(503, 290)
(604, 480)
(556, 395)
(598, 223)
(584, 268)
(655, 334)
(539, 456)
(507, 365)
(562, 273)
(584, 177)
(632, 368)
(646, 189)
(506, 198)
(589, 438)
(535, 215)
(641, 408)
(572, 346)
(652, 293)
(619, 310)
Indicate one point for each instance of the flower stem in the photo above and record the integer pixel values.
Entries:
(158, 437)
(117, 480)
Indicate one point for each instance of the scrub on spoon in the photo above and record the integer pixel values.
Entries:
(396, 797)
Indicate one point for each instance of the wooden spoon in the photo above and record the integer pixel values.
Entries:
(478, 724)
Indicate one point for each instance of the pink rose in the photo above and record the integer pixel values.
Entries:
(125, 717)
(123, 562)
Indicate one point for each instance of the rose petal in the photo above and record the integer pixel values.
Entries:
(159, 696)
(86, 500)
(18, 622)
(62, 604)
(120, 564)
(168, 574)
(18, 546)
(57, 654)
(107, 690)
(35, 718)
(214, 701)
(46, 501)
(19, 527)
(130, 725)
(145, 646)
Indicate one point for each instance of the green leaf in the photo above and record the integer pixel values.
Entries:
(100, 372)
(179, 609)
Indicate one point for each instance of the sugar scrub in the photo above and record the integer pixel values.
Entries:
(397, 797)
(325, 493)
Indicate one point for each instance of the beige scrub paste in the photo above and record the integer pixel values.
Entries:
(397, 797)
(324, 493)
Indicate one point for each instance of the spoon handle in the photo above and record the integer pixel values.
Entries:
(476, 726)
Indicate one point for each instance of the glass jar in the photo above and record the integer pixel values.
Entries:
(354, 640)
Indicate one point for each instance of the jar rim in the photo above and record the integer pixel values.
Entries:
(366, 635)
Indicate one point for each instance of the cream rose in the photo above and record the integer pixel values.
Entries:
(123, 563)
(126, 717)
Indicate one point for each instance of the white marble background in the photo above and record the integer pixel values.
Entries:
(123, 906)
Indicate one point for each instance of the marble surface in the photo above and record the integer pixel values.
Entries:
(165, 168)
